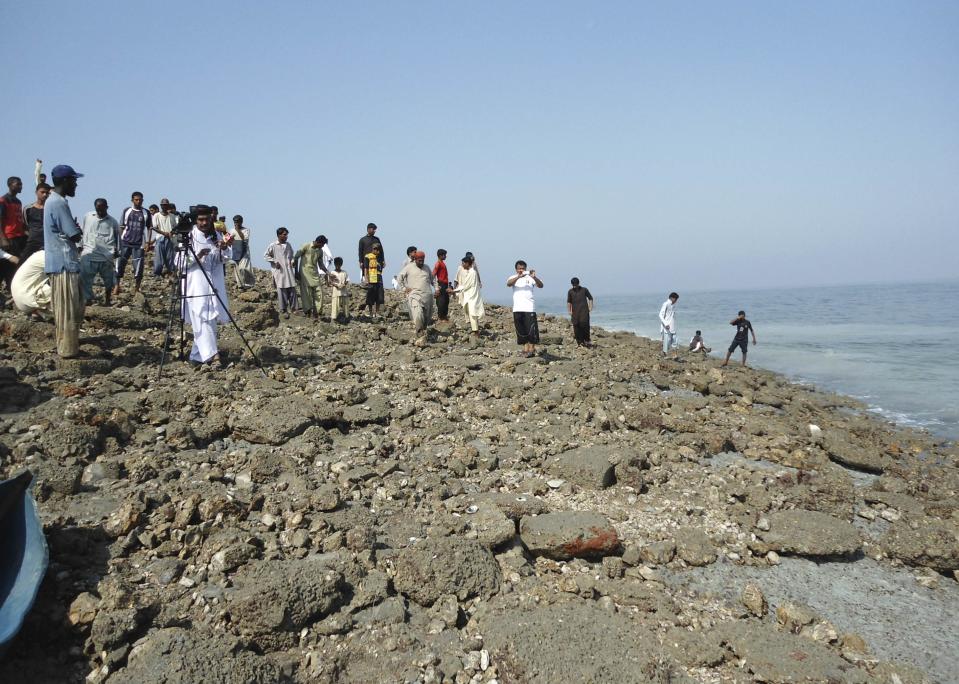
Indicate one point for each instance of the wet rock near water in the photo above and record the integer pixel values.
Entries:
(367, 510)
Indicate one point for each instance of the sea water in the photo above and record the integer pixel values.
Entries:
(893, 346)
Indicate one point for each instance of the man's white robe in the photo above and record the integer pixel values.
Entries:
(202, 307)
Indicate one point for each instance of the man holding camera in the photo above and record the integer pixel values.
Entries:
(523, 283)
(202, 306)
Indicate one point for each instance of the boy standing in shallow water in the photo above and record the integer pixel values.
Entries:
(741, 340)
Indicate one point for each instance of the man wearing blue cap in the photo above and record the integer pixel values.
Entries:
(62, 260)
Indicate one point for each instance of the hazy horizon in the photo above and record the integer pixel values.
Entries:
(641, 147)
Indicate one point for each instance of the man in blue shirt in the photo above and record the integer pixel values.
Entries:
(62, 260)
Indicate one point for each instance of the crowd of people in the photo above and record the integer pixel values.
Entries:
(50, 263)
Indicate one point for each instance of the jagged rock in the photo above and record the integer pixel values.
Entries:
(658, 553)
(568, 534)
(275, 599)
(175, 655)
(491, 526)
(694, 547)
(586, 466)
(925, 541)
(753, 600)
(782, 658)
(845, 453)
(531, 644)
(810, 533)
(434, 567)
(514, 506)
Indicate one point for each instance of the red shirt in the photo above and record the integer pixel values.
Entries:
(440, 272)
(13, 225)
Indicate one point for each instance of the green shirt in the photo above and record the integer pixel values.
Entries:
(309, 258)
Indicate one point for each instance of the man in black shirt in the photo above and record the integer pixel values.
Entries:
(33, 217)
(366, 246)
(579, 302)
(743, 329)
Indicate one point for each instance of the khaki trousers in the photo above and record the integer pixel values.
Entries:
(67, 300)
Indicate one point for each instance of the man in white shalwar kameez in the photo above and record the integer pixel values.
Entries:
(469, 291)
(416, 280)
(202, 307)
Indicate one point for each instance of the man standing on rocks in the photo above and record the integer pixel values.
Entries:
(309, 262)
(100, 236)
(62, 260)
(33, 218)
(243, 269)
(13, 234)
(416, 281)
(741, 340)
(470, 293)
(442, 276)
(366, 246)
(579, 302)
(164, 248)
(524, 283)
(373, 279)
(135, 226)
(203, 307)
(280, 257)
(667, 322)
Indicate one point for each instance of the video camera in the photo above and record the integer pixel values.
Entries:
(188, 219)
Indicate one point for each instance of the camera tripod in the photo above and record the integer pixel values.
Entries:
(179, 297)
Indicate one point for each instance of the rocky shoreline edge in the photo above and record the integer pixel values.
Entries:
(371, 511)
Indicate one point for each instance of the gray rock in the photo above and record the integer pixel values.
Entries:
(782, 658)
(694, 649)
(533, 644)
(658, 553)
(924, 541)
(810, 533)
(491, 526)
(514, 506)
(854, 456)
(180, 656)
(694, 547)
(373, 589)
(375, 410)
(588, 467)
(392, 611)
(433, 567)
(275, 421)
(326, 498)
(275, 599)
(569, 534)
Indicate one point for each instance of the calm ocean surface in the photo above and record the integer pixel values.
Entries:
(894, 346)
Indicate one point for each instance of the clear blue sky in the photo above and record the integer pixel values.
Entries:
(640, 146)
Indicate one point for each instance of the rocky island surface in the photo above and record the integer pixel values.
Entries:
(366, 510)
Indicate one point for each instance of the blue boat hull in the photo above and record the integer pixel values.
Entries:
(23, 555)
